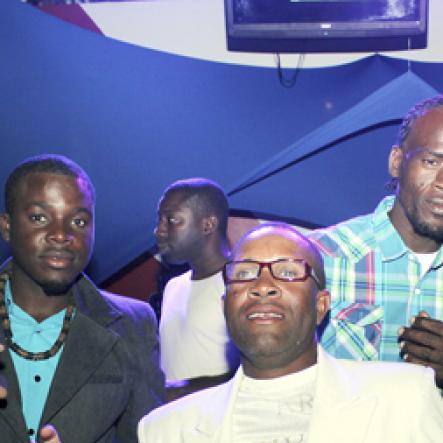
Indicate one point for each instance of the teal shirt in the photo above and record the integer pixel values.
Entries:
(376, 285)
(34, 377)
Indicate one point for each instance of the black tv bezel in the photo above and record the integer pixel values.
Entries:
(316, 36)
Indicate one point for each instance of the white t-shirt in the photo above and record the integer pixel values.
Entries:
(193, 335)
(277, 410)
(425, 261)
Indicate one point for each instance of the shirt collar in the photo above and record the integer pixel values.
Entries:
(9, 302)
(390, 243)
(14, 310)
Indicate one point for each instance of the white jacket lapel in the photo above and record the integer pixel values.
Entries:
(215, 425)
(341, 413)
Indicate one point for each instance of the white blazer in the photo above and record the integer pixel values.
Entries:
(355, 402)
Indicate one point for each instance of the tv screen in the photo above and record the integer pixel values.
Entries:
(325, 26)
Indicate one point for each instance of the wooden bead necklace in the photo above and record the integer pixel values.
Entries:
(6, 324)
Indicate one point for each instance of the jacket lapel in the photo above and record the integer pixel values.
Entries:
(341, 412)
(215, 424)
(12, 411)
(88, 343)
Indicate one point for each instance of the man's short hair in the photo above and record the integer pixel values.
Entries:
(45, 163)
(206, 197)
(417, 111)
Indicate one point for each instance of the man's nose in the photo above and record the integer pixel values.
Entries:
(160, 230)
(438, 182)
(265, 285)
(60, 233)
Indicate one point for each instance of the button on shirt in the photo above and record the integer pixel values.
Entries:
(376, 285)
(34, 377)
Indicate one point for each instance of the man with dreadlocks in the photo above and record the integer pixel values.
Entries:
(385, 269)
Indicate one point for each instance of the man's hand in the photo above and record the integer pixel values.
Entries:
(48, 434)
(422, 343)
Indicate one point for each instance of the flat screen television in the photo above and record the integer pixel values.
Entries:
(304, 26)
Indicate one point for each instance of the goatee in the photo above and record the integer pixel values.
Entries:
(56, 288)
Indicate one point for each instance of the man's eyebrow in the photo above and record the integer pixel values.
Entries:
(82, 209)
(45, 206)
(435, 154)
(40, 203)
(420, 150)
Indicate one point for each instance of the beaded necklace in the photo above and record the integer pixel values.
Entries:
(6, 324)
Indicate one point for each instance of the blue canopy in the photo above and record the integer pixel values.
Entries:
(137, 119)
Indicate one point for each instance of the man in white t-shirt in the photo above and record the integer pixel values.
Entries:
(288, 389)
(195, 348)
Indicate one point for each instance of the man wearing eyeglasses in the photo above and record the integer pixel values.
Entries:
(288, 389)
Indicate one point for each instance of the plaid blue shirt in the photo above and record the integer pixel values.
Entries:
(376, 285)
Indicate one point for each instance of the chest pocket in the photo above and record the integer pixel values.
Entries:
(354, 331)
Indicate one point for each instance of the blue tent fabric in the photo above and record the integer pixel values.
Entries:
(137, 119)
(390, 102)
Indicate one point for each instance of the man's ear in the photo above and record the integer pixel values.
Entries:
(323, 304)
(5, 226)
(210, 224)
(395, 160)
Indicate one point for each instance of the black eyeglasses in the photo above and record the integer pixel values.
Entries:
(285, 269)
